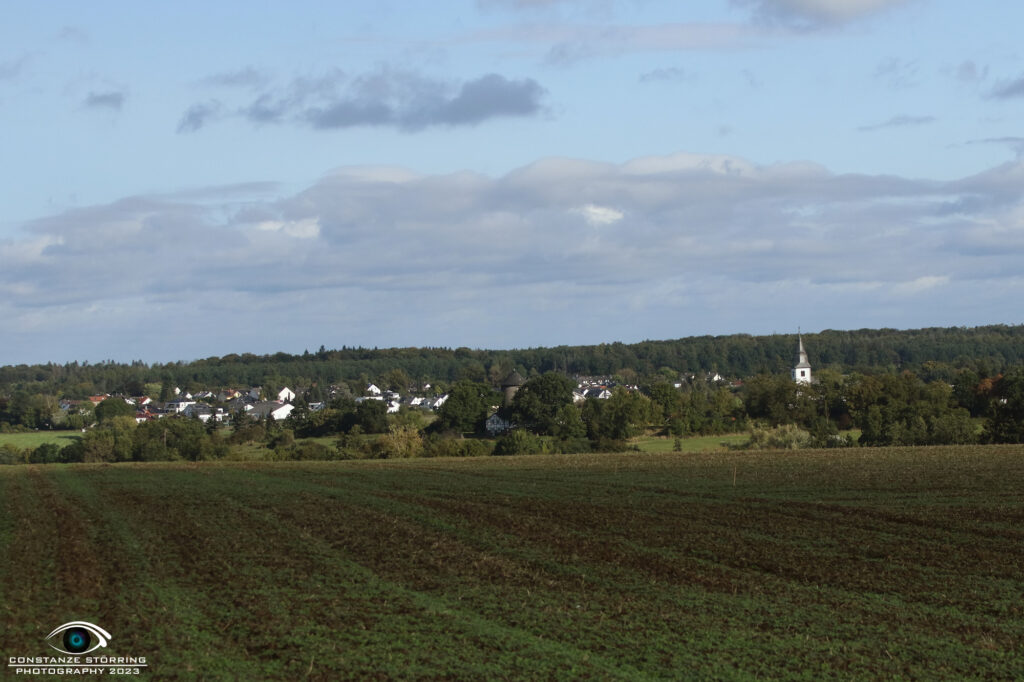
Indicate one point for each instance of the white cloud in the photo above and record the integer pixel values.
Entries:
(307, 228)
(385, 256)
(920, 284)
(715, 163)
(598, 215)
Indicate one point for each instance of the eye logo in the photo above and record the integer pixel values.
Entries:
(78, 637)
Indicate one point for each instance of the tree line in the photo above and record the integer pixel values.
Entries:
(917, 387)
(936, 353)
(887, 409)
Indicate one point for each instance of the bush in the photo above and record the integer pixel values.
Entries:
(455, 446)
(352, 446)
(519, 442)
(570, 446)
(399, 443)
(284, 439)
(248, 432)
(47, 453)
(310, 450)
(612, 445)
(9, 454)
(785, 437)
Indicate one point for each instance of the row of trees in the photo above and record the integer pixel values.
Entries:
(933, 354)
(888, 409)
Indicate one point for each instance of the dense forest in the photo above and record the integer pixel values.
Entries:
(936, 353)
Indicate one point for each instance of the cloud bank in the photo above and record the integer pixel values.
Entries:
(560, 251)
(1008, 89)
(400, 99)
(901, 121)
(105, 100)
(810, 14)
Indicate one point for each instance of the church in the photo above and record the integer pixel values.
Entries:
(802, 370)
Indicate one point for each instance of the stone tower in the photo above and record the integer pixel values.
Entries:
(802, 370)
(510, 385)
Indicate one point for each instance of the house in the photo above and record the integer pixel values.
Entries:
(598, 393)
(205, 413)
(286, 395)
(372, 390)
(145, 415)
(74, 406)
(271, 408)
(497, 425)
(178, 405)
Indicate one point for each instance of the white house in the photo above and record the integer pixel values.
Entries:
(372, 390)
(286, 395)
(205, 413)
(179, 405)
(274, 409)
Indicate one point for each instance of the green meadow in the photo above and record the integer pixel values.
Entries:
(899, 563)
(29, 440)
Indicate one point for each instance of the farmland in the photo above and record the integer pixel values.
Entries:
(864, 563)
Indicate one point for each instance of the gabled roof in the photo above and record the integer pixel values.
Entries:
(270, 407)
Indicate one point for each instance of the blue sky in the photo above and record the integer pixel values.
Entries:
(190, 180)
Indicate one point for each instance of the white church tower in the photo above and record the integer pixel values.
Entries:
(802, 371)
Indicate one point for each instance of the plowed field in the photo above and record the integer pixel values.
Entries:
(859, 564)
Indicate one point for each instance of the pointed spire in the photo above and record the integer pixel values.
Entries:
(801, 354)
(802, 371)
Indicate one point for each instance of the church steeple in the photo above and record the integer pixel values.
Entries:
(802, 370)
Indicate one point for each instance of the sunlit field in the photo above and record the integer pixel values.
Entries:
(28, 440)
(848, 564)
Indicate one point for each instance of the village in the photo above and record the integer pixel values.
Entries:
(259, 403)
